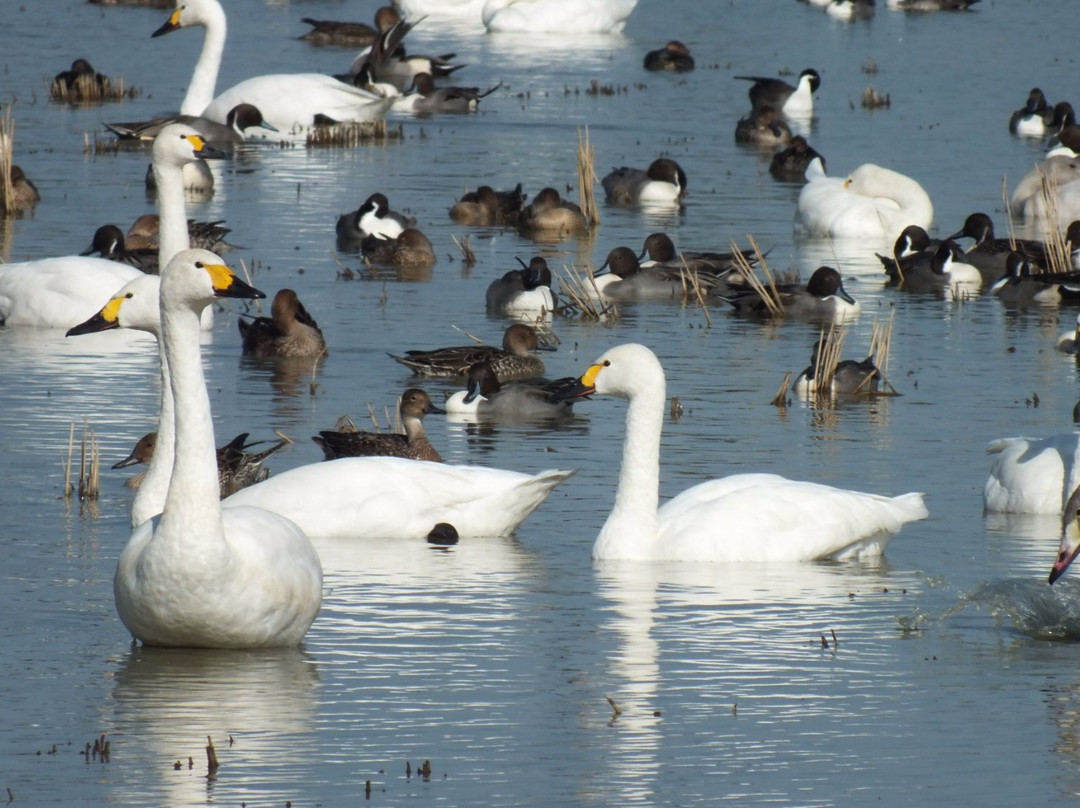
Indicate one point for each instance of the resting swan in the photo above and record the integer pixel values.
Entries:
(285, 100)
(873, 202)
(742, 517)
(557, 16)
(1032, 475)
(197, 575)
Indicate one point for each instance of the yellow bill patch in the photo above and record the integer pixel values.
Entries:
(174, 18)
(589, 378)
(111, 312)
(196, 142)
(220, 276)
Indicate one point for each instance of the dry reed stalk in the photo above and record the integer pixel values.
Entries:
(7, 150)
(247, 277)
(768, 292)
(781, 398)
(687, 274)
(67, 466)
(586, 178)
(468, 257)
(352, 133)
(576, 286)
(880, 340)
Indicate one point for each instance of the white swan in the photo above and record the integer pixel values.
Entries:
(464, 10)
(197, 575)
(557, 16)
(1032, 475)
(872, 202)
(398, 498)
(743, 517)
(58, 292)
(1061, 176)
(286, 100)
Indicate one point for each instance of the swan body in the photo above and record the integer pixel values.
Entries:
(198, 576)
(1028, 200)
(742, 517)
(873, 202)
(1032, 475)
(394, 497)
(557, 16)
(58, 292)
(440, 9)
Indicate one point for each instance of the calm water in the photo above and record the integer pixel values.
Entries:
(494, 659)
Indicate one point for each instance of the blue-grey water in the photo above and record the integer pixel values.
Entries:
(495, 659)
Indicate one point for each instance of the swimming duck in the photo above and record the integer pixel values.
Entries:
(287, 101)
(411, 248)
(198, 575)
(822, 299)
(661, 252)
(222, 136)
(512, 361)
(850, 377)
(1020, 287)
(414, 444)
(674, 56)
(911, 255)
(487, 397)
(549, 216)
(873, 202)
(961, 278)
(626, 279)
(486, 206)
(1032, 118)
(1032, 475)
(662, 183)
(80, 81)
(781, 96)
(108, 242)
(143, 234)
(388, 62)
(331, 32)
(850, 9)
(763, 127)
(732, 519)
(424, 98)
(557, 16)
(372, 218)
(289, 332)
(930, 5)
(990, 254)
(237, 468)
(1069, 342)
(523, 292)
(25, 195)
(790, 164)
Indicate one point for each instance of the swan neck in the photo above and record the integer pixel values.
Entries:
(172, 211)
(150, 499)
(204, 79)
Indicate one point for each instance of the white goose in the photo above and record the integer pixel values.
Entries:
(743, 517)
(1032, 475)
(872, 202)
(197, 575)
(286, 100)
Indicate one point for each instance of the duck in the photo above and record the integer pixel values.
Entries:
(414, 444)
(911, 255)
(850, 377)
(739, 518)
(1020, 287)
(25, 195)
(487, 397)
(822, 299)
(486, 206)
(990, 254)
(929, 6)
(373, 218)
(198, 576)
(961, 278)
(108, 242)
(776, 93)
(1033, 118)
(1069, 547)
(331, 32)
(411, 248)
(790, 164)
(626, 279)
(81, 80)
(872, 202)
(1032, 475)
(763, 127)
(557, 16)
(674, 57)
(512, 361)
(143, 234)
(940, 269)
(550, 217)
(223, 136)
(661, 252)
(424, 98)
(850, 9)
(524, 292)
(289, 332)
(662, 183)
(288, 101)
(1069, 342)
(237, 468)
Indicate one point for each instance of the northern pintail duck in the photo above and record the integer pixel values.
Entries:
(674, 56)
(781, 96)
(850, 9)
(872, 202)
(414, 444)
(410, 249)
(661, 251)
(486, 206)
(80, 79)
(143, 234)
(911, 255)
(763, 127)
(663, 182)
(549, 216)
(372, 218)
(990, 254)
(929, 6)
(390, 63)
(1033, 118)
(332, 32)
(237, 468)
(822, 299)
(850, 377)
(513, 361)
(108, 242)
(940, 269)
(764, 516)
(486, 396)
(790, 164)
(289, 332)
(1069, 342)
(424, 98)
(556, 16)
(626, 279)
(224, 136)
(1021, 287)
(24, 193)
(1063, 131)
(524, 292)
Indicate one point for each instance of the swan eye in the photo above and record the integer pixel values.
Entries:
(607, 363)
(200, 265)
(129, 295)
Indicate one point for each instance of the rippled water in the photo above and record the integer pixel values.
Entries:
(495, 659)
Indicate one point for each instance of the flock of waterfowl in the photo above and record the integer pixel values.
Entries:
(220, 554)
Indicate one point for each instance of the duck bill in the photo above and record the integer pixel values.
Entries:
(130, 460)
(170, 25)
(842, 293)
(959, 234)
(430, 408)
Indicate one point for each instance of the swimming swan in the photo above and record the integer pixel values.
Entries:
(1032, 475)
(198, 575)
(557, 16)
(742, 517)
(872, 202)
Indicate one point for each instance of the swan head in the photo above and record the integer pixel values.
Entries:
(1070, 537)
(135, 305)
(623, 371)
(177, 144)
(197, 277)
(192, 12)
